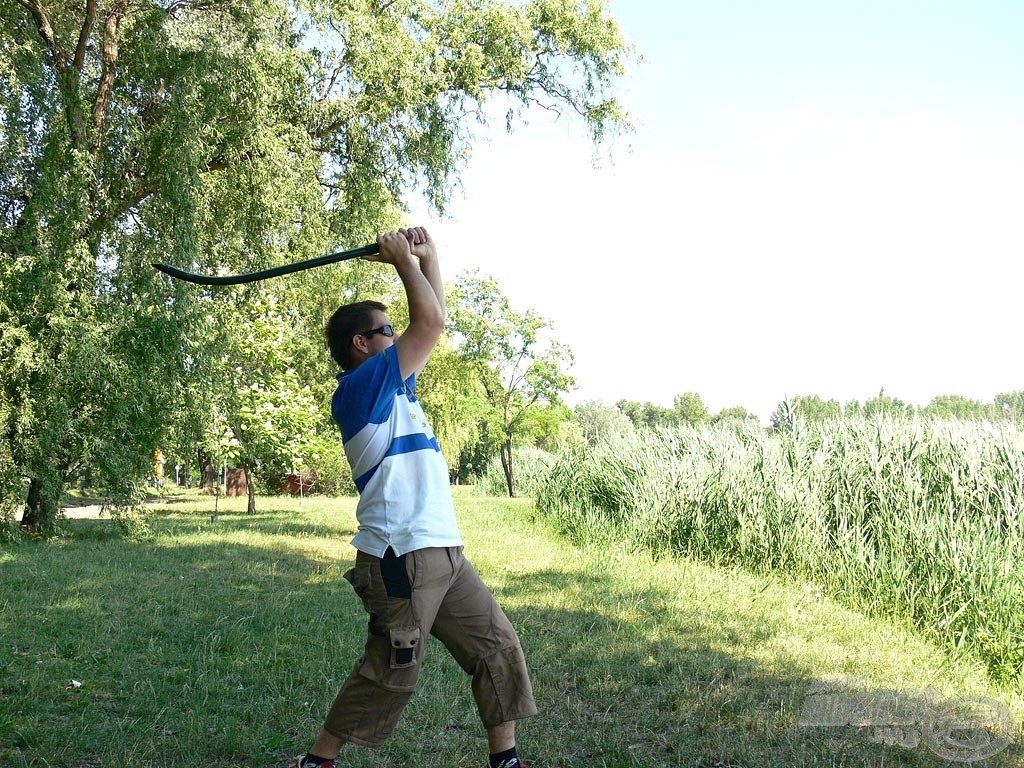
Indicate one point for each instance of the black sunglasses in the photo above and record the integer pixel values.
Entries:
(386, 330)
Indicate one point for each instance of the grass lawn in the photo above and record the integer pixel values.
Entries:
(221, 643)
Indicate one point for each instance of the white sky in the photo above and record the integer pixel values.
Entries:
(820, 197)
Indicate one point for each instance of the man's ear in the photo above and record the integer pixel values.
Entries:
(360, 343)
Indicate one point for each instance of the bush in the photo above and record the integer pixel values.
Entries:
(131, 522)
(530, 469)
(325, 457)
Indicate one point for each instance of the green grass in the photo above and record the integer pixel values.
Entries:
(221, 643)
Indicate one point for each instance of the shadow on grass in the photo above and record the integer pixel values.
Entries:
(163, 522)
(284, 523)
(212, 653)
(219, 653)
(625, 679)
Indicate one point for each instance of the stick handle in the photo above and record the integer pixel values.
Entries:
(284, 269)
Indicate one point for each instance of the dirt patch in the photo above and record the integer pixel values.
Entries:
(77, 512)
(90, 510)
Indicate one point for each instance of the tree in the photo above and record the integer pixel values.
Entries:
(887, 405)
(736, 414)
(957, 406)
(733, 413)
(269, 410)
(518, 366)
(549, 427)
(223, 135)
(688, 408)
(811, 408)
(1010, 405)
(456, 402)
(599, 421)
(647, 414)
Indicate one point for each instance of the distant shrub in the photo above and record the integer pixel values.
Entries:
(530, 469)
(131, 522)
(324, 458)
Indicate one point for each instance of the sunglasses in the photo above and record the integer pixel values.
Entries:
(385, 330)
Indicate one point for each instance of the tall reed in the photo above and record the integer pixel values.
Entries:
(910, 518)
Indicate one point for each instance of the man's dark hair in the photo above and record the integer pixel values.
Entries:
(346, 322)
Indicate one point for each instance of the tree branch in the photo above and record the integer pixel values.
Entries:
(85, 34)
(42, 19)
(331, 81)
(108, 72)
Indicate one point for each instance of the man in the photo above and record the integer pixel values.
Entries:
(409, 569)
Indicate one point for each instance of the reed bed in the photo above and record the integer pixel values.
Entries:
(908, 518)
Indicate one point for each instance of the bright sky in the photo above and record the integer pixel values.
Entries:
(820, 197)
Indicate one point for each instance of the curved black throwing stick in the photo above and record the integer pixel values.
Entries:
(284, 269)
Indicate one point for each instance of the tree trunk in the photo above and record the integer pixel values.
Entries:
(251, 508)
(32, 516)
(506, 464)
(207, 474)
(40, 507)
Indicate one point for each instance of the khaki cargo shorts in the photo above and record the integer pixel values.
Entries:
(435, 592)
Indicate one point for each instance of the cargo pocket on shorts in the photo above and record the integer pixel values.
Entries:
(403, 646)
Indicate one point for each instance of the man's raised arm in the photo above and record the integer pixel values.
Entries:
(426, 313)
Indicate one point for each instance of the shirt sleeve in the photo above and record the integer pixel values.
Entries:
(367, 394)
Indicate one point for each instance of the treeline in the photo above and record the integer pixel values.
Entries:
(689, 409)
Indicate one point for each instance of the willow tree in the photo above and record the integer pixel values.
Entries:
(223, 135)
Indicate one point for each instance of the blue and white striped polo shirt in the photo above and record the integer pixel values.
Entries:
(405, 500)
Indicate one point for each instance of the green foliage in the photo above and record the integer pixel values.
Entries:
(736, 414)
(808, 408)
(269, 409)
(455, 401)
(9, 532)
(532, 468)
(474, 459)
(887, 406)
(521, 370)
(225, 136)
(957, 406)
(689, 408)
(131, 522)
(325, 456)
(598, 421)
(1010, 405)
(119, 122)
(549, 427)
(648, 415)
(910, 518)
